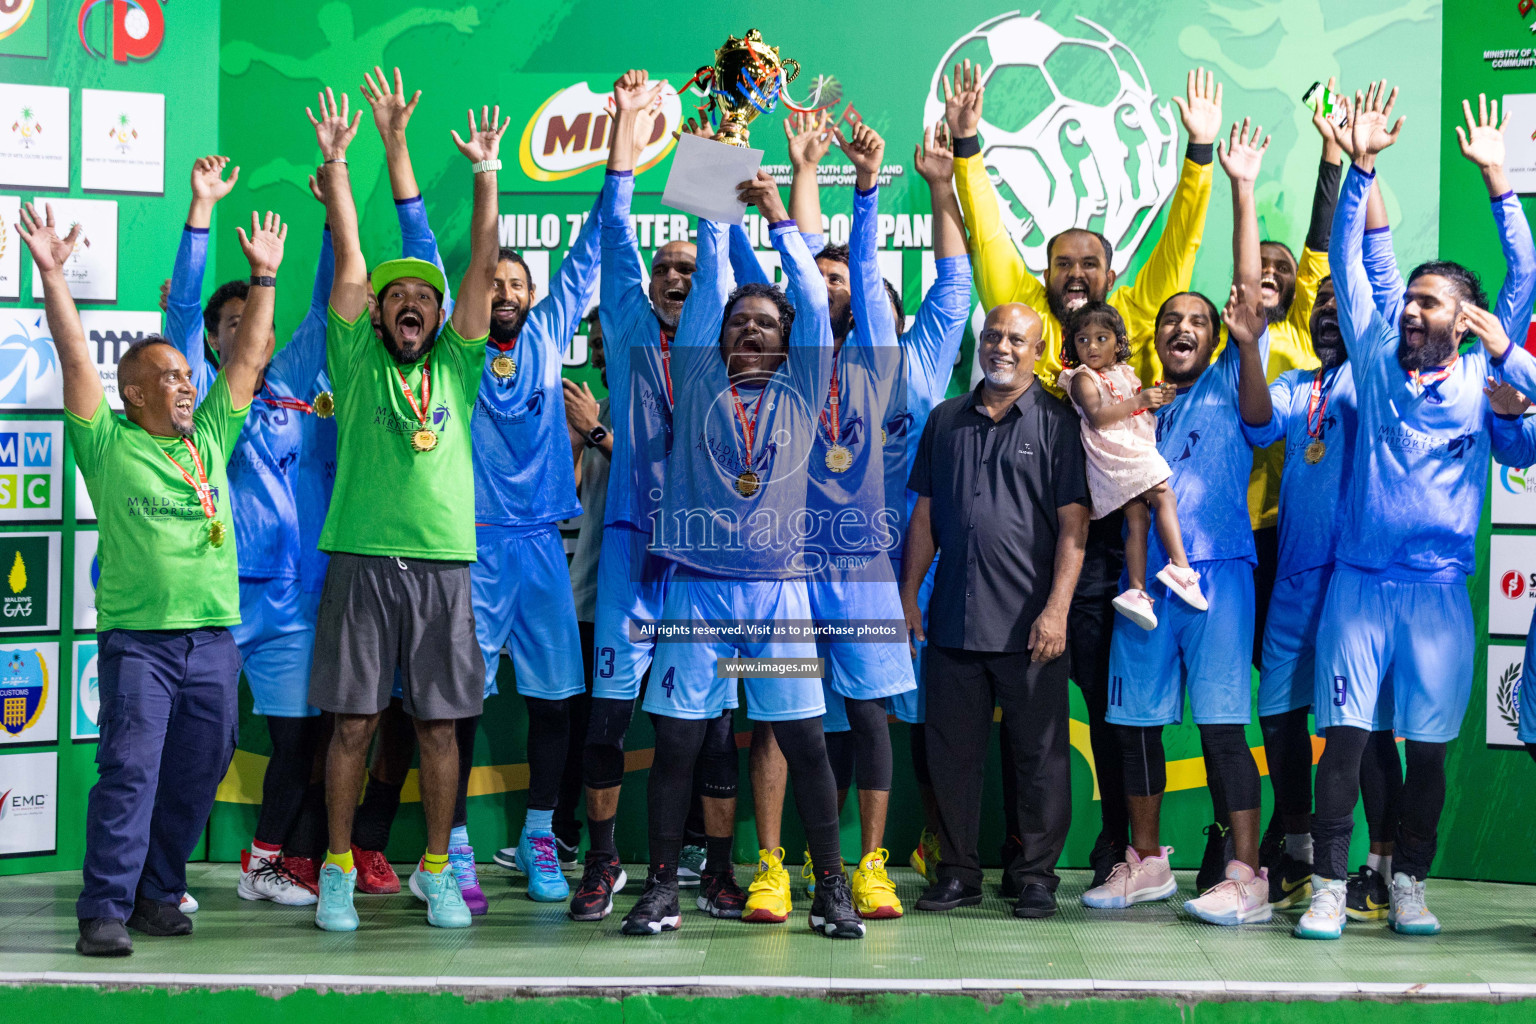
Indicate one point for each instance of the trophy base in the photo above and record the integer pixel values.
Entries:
(733, 135)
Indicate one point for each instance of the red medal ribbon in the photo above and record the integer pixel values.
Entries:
(1317, 405)
(426, 390)
(285, 403)
(748, 430)
(200, 485)
(666, 364)
(834, 399)
(502, 346)
(1424, 381)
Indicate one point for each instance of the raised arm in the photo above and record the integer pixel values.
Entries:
(82, 384)
(934, 159)
(349, 284)
(184, 305)
(296, 368)
(252, 348)
(472, 315)
(1249, 334)
(1368, 135)
(1241, 160)
(871, 306)
(933, 341)
(809, 138)
(1512, 433)
(391, 113)
(1379, 258)
(1313, 265)
(1482, 142)
(1001, 274)
(622, 297)
(810, 338)
(745, 266)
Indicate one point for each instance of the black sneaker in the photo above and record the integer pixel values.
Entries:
(656, 911)
(1367, 895)
(1107, 852)
(1012, 847)
(593, 900)
(1218, 854)
(1271, 848)
(832, 911)
(720, 895)
(1290, 882)
(567, 853)
(155, 918)
(103, 936)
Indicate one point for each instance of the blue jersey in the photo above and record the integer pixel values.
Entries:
(524, 474)
(1415, 496)
(1210, 450)
(1311, 491)
(265, 461)
(317, 460)
(722, 448)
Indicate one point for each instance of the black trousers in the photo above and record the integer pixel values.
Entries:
(1090, 624)
(963, 689)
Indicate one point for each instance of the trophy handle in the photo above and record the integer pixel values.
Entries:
(790, 62)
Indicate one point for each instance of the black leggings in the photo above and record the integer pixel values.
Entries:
(863, 751)
(1234, 778)
(1419, 819)
(287, 786)
(602, 759)
(549, 733)
(1288, 749)
(1146, 765)
(679, 744)
(718, 770)
(1381, 785)
(1338, 781)
(464, 731)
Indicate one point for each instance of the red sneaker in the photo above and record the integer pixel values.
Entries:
(374, 875)
(305, 870)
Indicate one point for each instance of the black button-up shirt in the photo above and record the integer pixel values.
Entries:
(994, 490)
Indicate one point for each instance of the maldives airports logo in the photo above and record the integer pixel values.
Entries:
(28, 803)
(134, 29)
(27, 674)
(31, 470)
(1044, 87)
(572, 131)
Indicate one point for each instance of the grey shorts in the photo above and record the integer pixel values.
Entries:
(379, 614)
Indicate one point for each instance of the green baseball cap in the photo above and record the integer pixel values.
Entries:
(394, 270)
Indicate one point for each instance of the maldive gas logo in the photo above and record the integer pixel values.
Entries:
(1512, 584)
(135, 28)
(14, 14)
(570, 133)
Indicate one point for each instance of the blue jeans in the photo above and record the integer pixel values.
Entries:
(169, 719)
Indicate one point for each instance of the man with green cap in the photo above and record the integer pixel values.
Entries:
(400, 530)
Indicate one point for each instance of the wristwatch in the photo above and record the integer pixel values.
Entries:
(485, 165)
(260, 281)
(595, 435)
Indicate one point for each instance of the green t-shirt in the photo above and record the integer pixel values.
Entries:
(159, 569)
(390, 499)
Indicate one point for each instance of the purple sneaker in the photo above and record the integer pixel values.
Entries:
(462, 860)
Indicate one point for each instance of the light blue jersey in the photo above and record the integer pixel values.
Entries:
(524, 474)
(1430, 442)
(735, 493)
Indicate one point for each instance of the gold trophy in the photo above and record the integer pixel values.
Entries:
(747, 79)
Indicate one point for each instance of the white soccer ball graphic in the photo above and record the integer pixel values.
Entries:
(136, 23)
(1071, 133)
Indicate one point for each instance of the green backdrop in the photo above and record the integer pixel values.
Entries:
(238, 79)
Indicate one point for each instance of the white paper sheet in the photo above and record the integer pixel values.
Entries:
(704, 177)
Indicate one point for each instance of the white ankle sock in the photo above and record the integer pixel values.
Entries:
(1299, 846)
(1379, 863)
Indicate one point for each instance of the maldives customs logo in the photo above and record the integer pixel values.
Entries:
(23, 689)
(1044, 87)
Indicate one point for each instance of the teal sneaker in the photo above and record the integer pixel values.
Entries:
(334, 911)
(445, 904)
(1407, 914)
(1324, 918)
(538, 858)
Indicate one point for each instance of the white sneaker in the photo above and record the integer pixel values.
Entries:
(1183, 584)
(269, 879)
(1136, 605)
(1240, 898)
(1407, 914)
(507, 858)
(1134, 880)
(1324, 919)
(188, 903)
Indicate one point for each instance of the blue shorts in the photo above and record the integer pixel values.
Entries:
(521, 588)
(1287, 674)
(1208, 653)
(276, 636)
(631, 584)
(912, 707)
(861, 671)
(1417, 633)
(1525, 695)
(683, 683)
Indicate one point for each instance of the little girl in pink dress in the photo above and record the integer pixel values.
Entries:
(1125, 469)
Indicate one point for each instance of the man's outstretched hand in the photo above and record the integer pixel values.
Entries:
(332, 130)
(49, 251)
(391, 110)
(484, 142)
(763, 193)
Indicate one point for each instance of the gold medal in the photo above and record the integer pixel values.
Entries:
(839, 459)
(424, 440)
(504, 366)
(1315, 452)
(747, 483)
(325, 405)
(216, 533)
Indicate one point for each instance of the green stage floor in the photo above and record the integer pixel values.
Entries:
(1486, 951)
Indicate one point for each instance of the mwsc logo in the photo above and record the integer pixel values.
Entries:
(136, 28)
(571, 133)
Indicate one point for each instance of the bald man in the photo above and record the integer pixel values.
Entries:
(1002, 492)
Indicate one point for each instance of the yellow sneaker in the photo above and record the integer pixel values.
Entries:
(808, 873)
(925, 859)
(768, 898)
(874, 895)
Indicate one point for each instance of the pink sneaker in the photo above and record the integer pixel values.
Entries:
(1136, 605)
(1183, 584)
(1242, 898)
(1134, 880)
